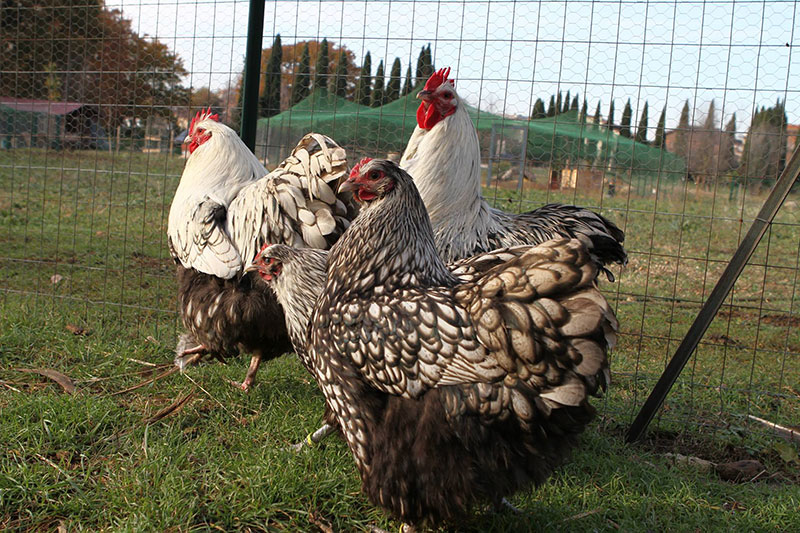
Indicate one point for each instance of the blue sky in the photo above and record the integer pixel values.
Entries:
(506, 54)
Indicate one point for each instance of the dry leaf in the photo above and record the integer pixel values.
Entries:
(734, 506)
(744, 470)
(582, 515)
(320, 522)
(787, 452)
(66, 383)
(55, 278)
(78, 330)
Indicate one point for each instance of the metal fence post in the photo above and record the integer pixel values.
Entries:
(252, 73)
(721, 290)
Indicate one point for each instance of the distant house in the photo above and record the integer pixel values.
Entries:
(45, 124)
(792, 133)
(669, 140)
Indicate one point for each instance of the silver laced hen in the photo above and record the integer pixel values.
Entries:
(452, 392)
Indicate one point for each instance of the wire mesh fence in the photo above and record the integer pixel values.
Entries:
(671, 118)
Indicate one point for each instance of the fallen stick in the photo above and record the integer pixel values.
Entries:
(194, 358)
(172, 408)
(787, 433)
(145, 363)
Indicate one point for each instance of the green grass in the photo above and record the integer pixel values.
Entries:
(90, 461)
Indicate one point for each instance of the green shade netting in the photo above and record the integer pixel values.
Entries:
(563, 140)
(13, 122)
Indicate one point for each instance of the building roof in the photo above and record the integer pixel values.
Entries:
(40, 106)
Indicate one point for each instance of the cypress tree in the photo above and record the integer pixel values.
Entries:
(625, 122)
(365, 82)
(611, 115)
(270, 102)
(574, 105)
(321, 68)
(660, 137)
(236, 119)
(302, 77)
(558, 103)
(341, 76)
(764, 147)
(393, 87)
(729, 140)
(566, 104)
(551, 107)
(753, 157)
(408, 85)
(538, 110)
(597, 114)
(424, 65)
(378, 87)
(419, 77)
(641, 130)
(710, 124)
(584, 111)
(681, 146)
(780, 141)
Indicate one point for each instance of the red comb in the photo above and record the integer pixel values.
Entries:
(357, 167)
(202, 115)
(438, 78)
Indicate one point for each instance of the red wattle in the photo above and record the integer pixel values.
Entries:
(366, 196)
(427, 118)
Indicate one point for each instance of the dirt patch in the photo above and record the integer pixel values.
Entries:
(724, 340)
(782, 320)
(672, 442)
(156, 263)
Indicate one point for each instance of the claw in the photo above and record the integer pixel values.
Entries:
(405, 528)
(188, 359)
(239, 385)
(503, 505)
(200, 348)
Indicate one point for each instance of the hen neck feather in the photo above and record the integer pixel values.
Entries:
(389, 245)
(445, 163)
(297, 288)
(219, 168)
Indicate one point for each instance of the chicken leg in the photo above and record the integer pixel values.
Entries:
(250, 377)
(314, 438)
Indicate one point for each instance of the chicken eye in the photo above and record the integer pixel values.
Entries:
(448, 95)
(374, 174)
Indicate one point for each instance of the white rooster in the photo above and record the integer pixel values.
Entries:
(443, 157)
(225, 209)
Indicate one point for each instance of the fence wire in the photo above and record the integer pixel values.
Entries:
(673, 119)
